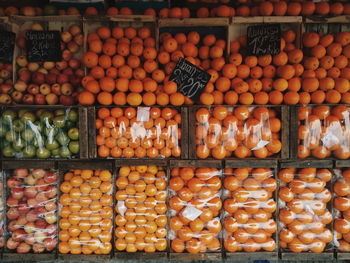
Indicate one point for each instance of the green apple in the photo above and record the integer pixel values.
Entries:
(65, 152)
(51, 144)
(39, 126)
(50, 131)
(62, 138)
(18, 144)
(3, 130)
(39, 112)
(70, 124)
(28, 117)
(29, 151)
(27, 135)
(74, 147)
(8, 152)
(73, 133)
(43, 153)
(18, 125)
(46, 115)
(4, 143)
(73, 115)
(10, 136)
(60, 112)
(8, 116)
(59, 121)
(21, 112)
(55, 152)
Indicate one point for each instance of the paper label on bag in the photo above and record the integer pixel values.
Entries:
(121, 207)
(260, 144)
(143, 113)
(191, 213)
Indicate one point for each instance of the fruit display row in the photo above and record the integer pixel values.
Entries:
(206, 210)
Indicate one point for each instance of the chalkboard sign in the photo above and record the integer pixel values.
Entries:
(264, 39)
(7, 45)
(43, 46)
(190, 79)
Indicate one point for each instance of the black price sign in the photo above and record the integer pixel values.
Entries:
(7, 45)
(264, 39)
(43, 46)
(190, 79)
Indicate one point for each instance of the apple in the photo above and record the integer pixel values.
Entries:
(30, 239)
(61, 78)
(38, 247)
(40, 224)
(51, 191)
(17, 96)
(33, 89)
(40, 210)
(32, 216)
(20, 173)
(51, 99)
(66, 100)
(39, 11)
(33, 66)
(50, 178)
(22, 61)
(13, 202)
(23, 248)
(79, 39)
(23, 208)
(66, 37)
(41, 197)
(28, 99)
(21, 43)
(21, 221)
(67, 72)
(73, 47)
(67, 55)
(79, 72)
(39, 236)
(11, 244)
(5, 88)
(32, 202)
(56, 89)
(43, 71)
(12, 213)
(28, 11)
(75, 80)
(13, 182)
(17, 193)
(30, 192)
(41, 185)
(50, 230)
(61, 65)
(30, 180)
(49, 65)
(5, 74)
(12, 225)
(50, 206)
(54, 71)
(39, 99)
(50, 218)
(38, 173)
(18, 235)
(74, 63)
(45, 89)
(38, 78)
(50, 243)
(37, 27)
(5, 99)
(67, 89)
(50, 78)
(29, 227)
(24, 75)
(74, 30)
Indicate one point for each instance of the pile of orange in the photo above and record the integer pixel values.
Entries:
(342, 210)
(327, 70)
(275, 8)
(249, 207)
(241, 131)
(141, 208)
(304, 215)
(121, 134)
(86, 212)
(195, 222)
(174, 12)
(206, 52)
(322, 132)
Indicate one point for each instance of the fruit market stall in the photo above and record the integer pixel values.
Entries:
(181, 130)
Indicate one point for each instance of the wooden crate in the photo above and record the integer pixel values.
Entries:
(284, 117)
(92, 132)
(82, 125)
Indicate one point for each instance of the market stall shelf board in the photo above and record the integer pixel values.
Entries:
(335, 19)
(136, 162)
(141, 256)
(204, 256)
(14, 257)
(241, 256)
(342, 163)
(196, 163)
(189, 22)
(133, 18)
(69, 257)
(342, 256)
(266, 19)
(251, 163)
(306, 163)
(28, 164)
(87, 164)
(308, 256)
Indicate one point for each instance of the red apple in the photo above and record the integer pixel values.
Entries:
(41, 185)
(73, 47)
(32, 202)
(20, 172)
(54, 71)
(56, 89)
(32, 216)
(39, 236)
(50, 78)
(50, 243)
(5, 74)
(17, 96)
(39, 173)
(23, 207)
(45, 89)
(51, 191)
(29, 227)
(5, 99)
(24, 75)
(74, 63)
(38, 248)
(30, 239)
(41, 197)
(22, 60)
(40, 209)
(61, 65)
(4, 88)
(12, 226)
(21, 42)
(13, 202)
(74, 80)
(30, 192)
(74, 30)
(66, 37)
(67, 55)
(11, 244)
(40, 223)
(28, 11)
(30, 180)
(61, 78)
(39, 99)
(49, 65)
(50, 178)
(33, 89)
(38, 78)
(50, 229)
(18, 235)
(28, 99)
(13, 182)
(51, 99)
(67, 89)
(33, 66)
(79, 72)
(66, 100)
(79, 39)
(21, 221)
(23, 248)
(50, 206)
(67, 72)
(17, 193)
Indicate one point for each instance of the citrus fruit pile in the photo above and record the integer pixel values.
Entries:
(2, 207)
(141, 221)
(303, 214)
(121, 134)
(241, 132)
(322, 132)
(249, 210)
(86, 212)
(206, 52)
(342, 210)
(31, 211)
(268, 79)
(122, 67)
(195, 210)
(327, 70)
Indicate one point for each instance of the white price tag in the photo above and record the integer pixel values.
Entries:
(191, 213)
(260, 145)
(143, 113)
(121, 207)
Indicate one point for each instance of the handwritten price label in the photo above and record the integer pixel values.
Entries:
(43, 46)
(264, 39)
(190, 79)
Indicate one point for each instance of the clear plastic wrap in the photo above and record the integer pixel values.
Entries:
(249, 206)
(304, 214)
(141, 209)
(239, 132)
(2, 212)
(341, 204)
(86, 212)
(42, 133)
(31, 211)
(323, 132)
(138, 132)
(195, 203)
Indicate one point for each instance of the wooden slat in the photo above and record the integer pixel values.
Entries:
(342, 163)
(188, 256)
(285, 132)
(293, 129)
(30, 164)
(266, 19)
(196, 163)
(141, 256)
(132, 18)
(306, 163)
(246, 257)
(14, 257)
(135, 162)
(307, 256)
(92, 257)
(85, 165)
(188, 22)
(91, 113)
(192, 133)
(251, 163)
(185, 131)
(336, 19)
(83, 133)
(343, 256)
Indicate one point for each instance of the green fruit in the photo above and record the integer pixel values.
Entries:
(27, 135)
(7, 151)
(21, 112)
(28, 117)
(59, 121)
(70, 124)
(9, 114)
(39, 112)
(55, 152)
(62, 138)
(10, 136)
(51, 144)
(73, 133)
(38, 142)
(73, 115)
(38, 126)
(60, 112)
(43, 153)
(18, 125)
(4, 143)
(50, 131)
(29, 151)
(18, 144)
(65, 152)
(3, 130)
(46, 115)
(74, 147)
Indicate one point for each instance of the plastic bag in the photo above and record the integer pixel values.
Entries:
(138, 132)
(195, 205)
(239, 132)
(323, 132)
(41, 133)
(32, 211)
(304, 215)
(2, 214)
(50, 82)
(341, 188)
(86, 212)
(141, 220)
(249, 205)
